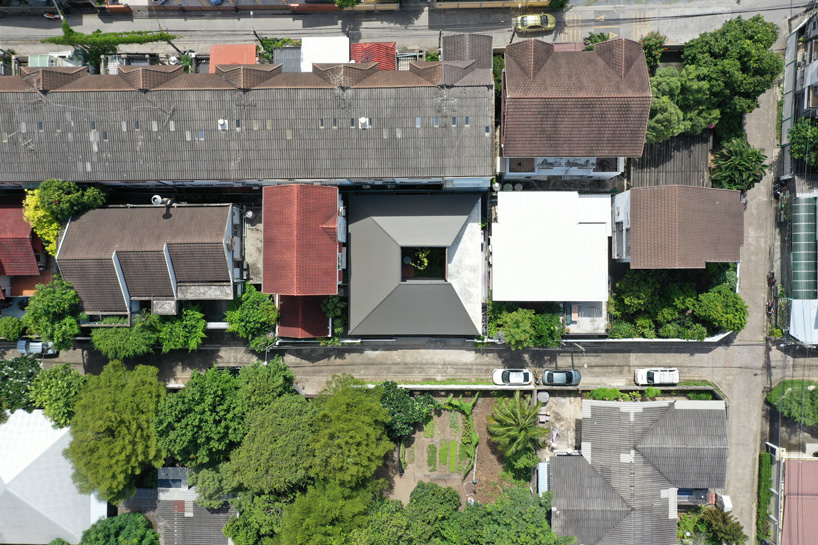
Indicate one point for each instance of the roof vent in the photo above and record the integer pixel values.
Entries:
(158, 200)
(222, 124)
(364, 123)
(174, 60)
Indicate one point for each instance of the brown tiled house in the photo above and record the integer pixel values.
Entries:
(303, 251)
(572, 112)
(677, 227)
(121, 258)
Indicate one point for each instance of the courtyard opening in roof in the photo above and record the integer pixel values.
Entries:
(423, 263)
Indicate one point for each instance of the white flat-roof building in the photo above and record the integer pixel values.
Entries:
(326, 50)
(553, 246)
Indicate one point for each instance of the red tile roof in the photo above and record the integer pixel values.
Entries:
(563, 103)
(302, 317)
(231, 54)
(382, 53)
(800, 502)
(16, 251)
(300, 240)
(685, 227)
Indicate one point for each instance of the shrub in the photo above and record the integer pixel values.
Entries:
(723, 308)
(804, 141)
(333, 306)
(119, 343)
(700, 396)
(519, 328)
(595, 38)
(44, 224)
(131, 528)
(547, 329)
(431, 457)
(653, 43)
(765, 482)
(605, 394)
(652, 393)
(738, 165)
(405, 411)
(185, 331)
(251, 315)
(432, 56)
(11, 328)
(623, 330)
(799, 402)
(16, 377)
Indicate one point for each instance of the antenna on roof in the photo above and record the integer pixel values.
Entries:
(158, 200)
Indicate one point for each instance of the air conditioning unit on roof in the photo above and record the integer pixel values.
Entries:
(364, 123)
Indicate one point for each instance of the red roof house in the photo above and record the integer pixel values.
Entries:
(16, 243)
(300, 240)
(231, 54)
(382, 53)
(800, 525)
(302, 317)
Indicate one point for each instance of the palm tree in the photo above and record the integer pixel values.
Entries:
(513, 426)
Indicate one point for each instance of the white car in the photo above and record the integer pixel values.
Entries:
(512, 377)
(651, 377)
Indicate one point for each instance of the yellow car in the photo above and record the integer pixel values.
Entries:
(535, 23)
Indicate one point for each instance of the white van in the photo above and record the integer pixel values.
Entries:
(650, 377)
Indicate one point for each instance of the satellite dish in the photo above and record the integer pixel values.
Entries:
(173, 60)
(157, 200)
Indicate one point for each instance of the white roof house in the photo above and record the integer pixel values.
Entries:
(38, 499)
(550, 246)
(327, 50)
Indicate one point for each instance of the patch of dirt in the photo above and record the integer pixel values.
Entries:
(489, 462)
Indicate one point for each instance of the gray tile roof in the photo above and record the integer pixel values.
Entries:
(467, 47)
(640, 454)
(380, 303)
(92, 136)
(194, 236)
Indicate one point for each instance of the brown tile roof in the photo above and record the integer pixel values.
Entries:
(231, 54)
(295, 80)
(16, 251)
(14, 83)
(800, 502)
(468, 47)
(345, 75)
(382, 53)
(302, 317)
(104, 82)
(194, 236)
(564, 103)
(50, 78)
(149, 77)
(248, 76)
(196, 81)
(685, 227)
(300, 240)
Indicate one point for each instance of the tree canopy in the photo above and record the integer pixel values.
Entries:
(405, 411)
(349, 432)
(16, 377)
(124, 529)
(513, 426)
(11, 328)
(804, 141)
(653, 44)
(54, 313)
(99, 43)
(260, 384)
(187, 330)
(44, 224)
(55, 390)
(271, 458)
(112, 437)
(62, 199)
(203, 422)
(251, 315)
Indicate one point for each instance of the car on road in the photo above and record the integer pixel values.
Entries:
(35, 348)
(561, 378)
(649, 377)
(512, 377)
(540, 22)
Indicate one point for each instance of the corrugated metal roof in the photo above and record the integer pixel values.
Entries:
(289, 58)
(380, 303)
(550, 246)
(800, 525)
(682, 160)
(38, 500)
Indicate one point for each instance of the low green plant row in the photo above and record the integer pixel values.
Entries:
(765, 482)
(614, 394)
(431, 457)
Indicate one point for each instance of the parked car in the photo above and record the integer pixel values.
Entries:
(644, 377)
(561, 378)
(35, 348)
(512, 377)
(216, 2)
(535, 23)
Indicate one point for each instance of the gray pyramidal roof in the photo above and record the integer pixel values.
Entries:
(382, 304)
(634, 458)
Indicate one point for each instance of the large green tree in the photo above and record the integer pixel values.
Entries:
(325, 514)
(271, 458)
(260, 384)
(54, 313)
(124, 529)
(213, 485)
(800, 403)
(723, 527)
(112, 437)
(513, 426)
(349, 432)
(259, 520)
(251, 315)
(405, 411)
(737, 63)
(722, 307)
(16, 377)
(124, 342)
(203, 422)
(55, 390)
(63, 199)
(93, 46)
(429, 505)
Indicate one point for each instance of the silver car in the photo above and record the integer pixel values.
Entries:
(561, 378)
(35, 348)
